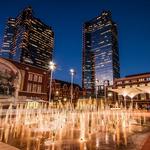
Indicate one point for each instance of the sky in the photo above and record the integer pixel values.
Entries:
(66, 17)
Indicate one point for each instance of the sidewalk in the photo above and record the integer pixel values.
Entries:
(146, 145)
(4, 146)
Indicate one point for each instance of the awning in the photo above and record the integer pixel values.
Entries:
(131, 91)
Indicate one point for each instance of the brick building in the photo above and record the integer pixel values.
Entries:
(25, 81)
(21, 80)
(61, 90)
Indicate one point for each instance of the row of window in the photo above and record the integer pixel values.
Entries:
(133, 81)
(134, 86)
(35, 77)
(35, 88)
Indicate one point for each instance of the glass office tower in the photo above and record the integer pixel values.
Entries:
(100, 52)
(32, 41)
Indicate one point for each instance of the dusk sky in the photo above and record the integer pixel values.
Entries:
(66, 18)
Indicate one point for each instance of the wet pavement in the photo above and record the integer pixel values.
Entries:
(146, 146)
(4, 146)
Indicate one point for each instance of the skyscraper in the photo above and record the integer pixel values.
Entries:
(8, 38)
(28, 40)
(100, 52)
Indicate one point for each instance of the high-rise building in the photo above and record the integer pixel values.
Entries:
(100, 52)
(8, 38)
(28, 40)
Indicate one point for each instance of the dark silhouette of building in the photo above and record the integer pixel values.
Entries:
(28, 40)
(100, 53)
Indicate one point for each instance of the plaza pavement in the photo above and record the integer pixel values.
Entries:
(146, 145)
(4, 146)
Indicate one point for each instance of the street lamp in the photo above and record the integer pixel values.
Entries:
(57, 92)
(96, 88)
(72, 73)
(52, 67)
(106, 83)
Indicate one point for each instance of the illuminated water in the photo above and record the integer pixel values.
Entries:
(88, 126)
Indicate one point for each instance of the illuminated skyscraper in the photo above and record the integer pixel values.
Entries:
(8, 38)
(100, 52)
(29, 41)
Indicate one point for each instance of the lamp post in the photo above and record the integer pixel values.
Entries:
(96, 88)
(106, 83)
(52, 67)
(72, 73)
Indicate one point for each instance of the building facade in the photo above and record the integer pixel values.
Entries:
(23, 81)
(134, 87)
(100, 52)
(8, 38)
(28, 40)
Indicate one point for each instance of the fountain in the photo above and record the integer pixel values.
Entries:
(90, 125)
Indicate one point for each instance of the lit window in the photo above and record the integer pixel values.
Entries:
(34, 89)
(134, 81)
(39, 89)
(30, 77)
(35, 77)
(40, 79)
(120, 82)
(127, 81)
(142, 79)
(29, 87)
